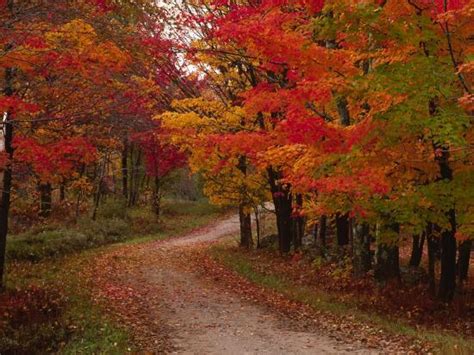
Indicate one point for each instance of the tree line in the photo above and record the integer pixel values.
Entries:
(81, 82)
(353, 117)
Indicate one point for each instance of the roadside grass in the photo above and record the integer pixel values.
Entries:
(176, 220)
(115, 223)
(242, 264)
(70, 322)
(48, 306)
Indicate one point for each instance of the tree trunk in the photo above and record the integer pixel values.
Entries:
(299, 224)
(45, 199)
(342, 221)
(6, 191)
(322, 231)
(283, 202)
(417, 249)
(343, 110)
(433, 249)
(258, 226)
(157, 197)
(131, 173)
(135, 181)
(98, 194)
(361, 257)
(62, 192)
(315, 234)
(246, 240)
(342, 229)
(463, 260)
(79, 194)
(8, 169)
(283, 209)
(387, 266)
(447, 281)
(125, 169)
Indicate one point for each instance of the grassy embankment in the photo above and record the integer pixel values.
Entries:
(255, 267)
(47, 307)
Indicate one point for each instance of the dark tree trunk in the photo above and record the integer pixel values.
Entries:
(8, 169)
(125, 169)
(433, 250)
(387, 266)
(45, 199)
(283, 202)
(97, 198)
(463, 260)
(246, 240)
(136, 187)
(135, 181)
(417, 249)
(98, 194)
(5, 202)
(285, 232)
(258, 226)
(342, 229)
(361, 257)
(319, 234)
(79, 195)
(322, 231)
(315, 233)
(343, 110)
(447, 281)
(342, 220)
(299, 224)
(62, 192)
(131, 173)
(144, 182)
(157, 197)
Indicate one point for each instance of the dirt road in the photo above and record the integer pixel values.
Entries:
(176, 310)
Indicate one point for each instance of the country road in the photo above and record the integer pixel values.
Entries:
(194, 316)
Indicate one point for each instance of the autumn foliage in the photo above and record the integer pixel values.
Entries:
(353, 111)
(81, 83)
(351, 120)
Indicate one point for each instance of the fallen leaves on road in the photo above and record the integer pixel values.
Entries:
(302, 316)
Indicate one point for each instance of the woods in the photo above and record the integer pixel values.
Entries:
(81, 83)
(351, 121)
(353, 114)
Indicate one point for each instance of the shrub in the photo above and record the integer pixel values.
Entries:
(31, 320)
(105, 231)
(52, 243)
(144, 221)
(115, 223)
(269, 241)
(115, 229)
(182, 207)
(35, 247)
(113, 208)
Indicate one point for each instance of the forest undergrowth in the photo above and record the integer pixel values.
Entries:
(48, 306)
